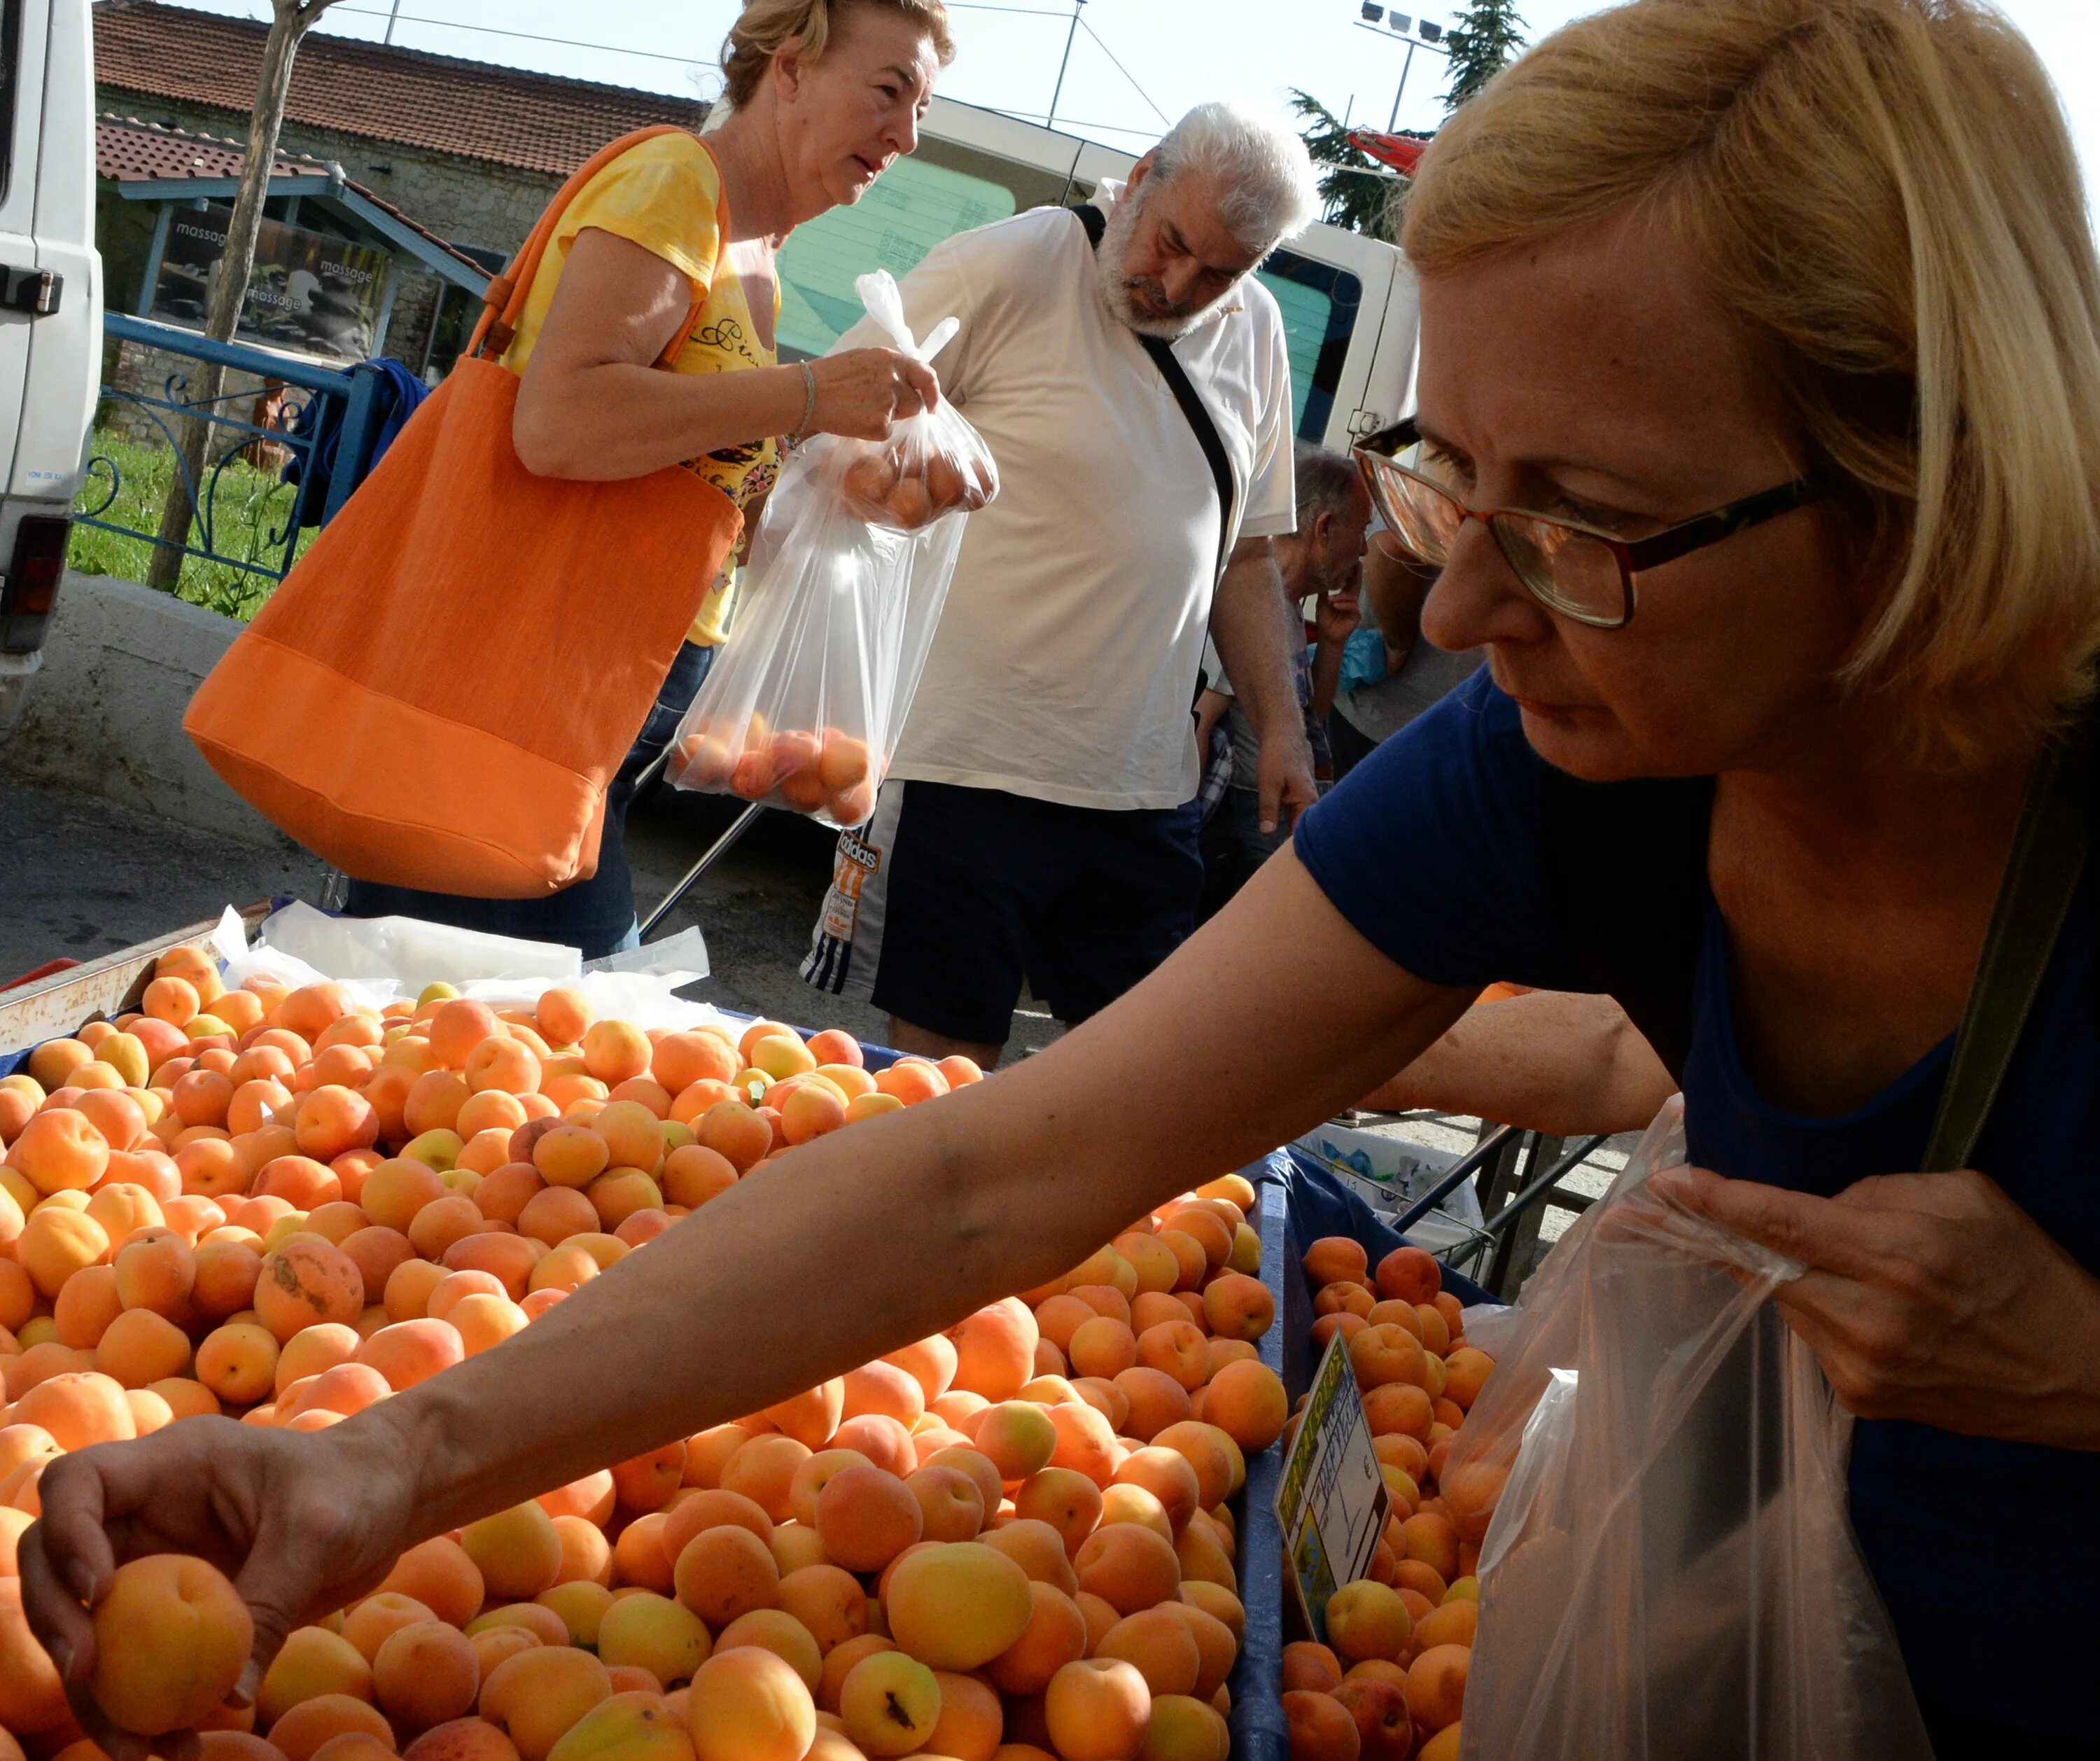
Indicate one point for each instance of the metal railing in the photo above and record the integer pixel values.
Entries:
(271, 548)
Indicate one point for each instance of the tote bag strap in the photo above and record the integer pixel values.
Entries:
(2048, 855)
(503, 304)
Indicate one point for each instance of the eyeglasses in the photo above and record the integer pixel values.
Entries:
(1576, 570)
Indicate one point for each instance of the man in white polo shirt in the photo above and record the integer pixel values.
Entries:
(1038, 823)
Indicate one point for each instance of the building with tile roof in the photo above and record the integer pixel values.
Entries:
(471, 150)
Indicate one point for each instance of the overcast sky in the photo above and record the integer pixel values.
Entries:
(1172, 53)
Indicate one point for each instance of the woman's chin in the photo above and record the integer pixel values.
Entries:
(1586, 743)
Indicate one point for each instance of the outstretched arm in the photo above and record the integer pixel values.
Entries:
(887, 1232)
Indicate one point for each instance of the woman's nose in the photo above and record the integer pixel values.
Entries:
(1478, 599)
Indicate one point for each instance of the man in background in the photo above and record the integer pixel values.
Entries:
(1407, 674)
(1039, 826)
(1323, 561)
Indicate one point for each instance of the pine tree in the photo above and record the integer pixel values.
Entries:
(1487, 37)
(1355, 189)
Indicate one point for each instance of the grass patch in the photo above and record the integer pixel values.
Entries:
(249, 509)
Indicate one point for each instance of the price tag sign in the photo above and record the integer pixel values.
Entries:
(1332, 1502)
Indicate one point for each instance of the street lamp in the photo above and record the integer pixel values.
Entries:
(1417, 33)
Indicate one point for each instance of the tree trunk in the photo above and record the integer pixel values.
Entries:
(229, 286)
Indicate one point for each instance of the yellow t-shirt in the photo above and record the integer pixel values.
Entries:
(666, 196)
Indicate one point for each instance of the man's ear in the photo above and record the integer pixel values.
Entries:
(1139, 173)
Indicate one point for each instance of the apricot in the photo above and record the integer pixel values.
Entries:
(375, 1620)
(1065, 1499)
(1431, 1538)
(1168, 1477)
(749, 1705)
(614, 1050)
(1246, 1402)
(1465, 1374)
(60, 1150)
(425, 1673)
(1097, 1710)
(1086, 1443)
(172, 1636)
(957, 1605)
(564, 1015)
(1157, 1400)
(1407, 1274)
(517, 1551)
(326, 1721)
(312, 1663)
(724, 1572)
(1130, 1567)
(78, 1408)
(1366, 1619)
(537, 1696)
(306, 1281)
(1160, 1645)
(140, 1347)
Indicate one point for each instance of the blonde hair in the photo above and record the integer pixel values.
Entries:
(767, 27)
(1885, 194)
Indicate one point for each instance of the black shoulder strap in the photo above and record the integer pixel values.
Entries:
(2041, 876)
(1626, 864)
(1191, 401)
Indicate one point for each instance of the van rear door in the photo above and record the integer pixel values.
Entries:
(49, 195)
(25, 26)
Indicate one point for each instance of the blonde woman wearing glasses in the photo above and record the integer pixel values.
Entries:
(1760, 419)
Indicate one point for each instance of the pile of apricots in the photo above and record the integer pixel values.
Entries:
(827, 772)
(1390, 1683)
(1009, 1541)
(906, 488)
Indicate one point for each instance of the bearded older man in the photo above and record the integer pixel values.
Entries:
(1129, 374)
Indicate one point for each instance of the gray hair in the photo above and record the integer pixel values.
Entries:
(1266, 191)
(1327, 483)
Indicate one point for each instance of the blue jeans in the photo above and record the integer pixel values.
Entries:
(598, 915)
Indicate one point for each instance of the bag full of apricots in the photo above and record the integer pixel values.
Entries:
(1011, 1539)
(838, 606)
(1654, 1477)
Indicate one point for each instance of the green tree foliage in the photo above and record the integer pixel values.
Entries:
(1487, 37)
(1353, 186)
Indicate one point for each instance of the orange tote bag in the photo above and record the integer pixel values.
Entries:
(442, 688)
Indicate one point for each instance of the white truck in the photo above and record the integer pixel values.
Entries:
(1349, 307)
(50, 313)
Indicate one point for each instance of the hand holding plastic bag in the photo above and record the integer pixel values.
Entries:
(934, 463)
(1654, 1475)
(840, 601)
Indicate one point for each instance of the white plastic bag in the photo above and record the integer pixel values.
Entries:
(1669, 1574)
(840, 597)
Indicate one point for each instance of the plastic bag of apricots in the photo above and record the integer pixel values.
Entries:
(1650, 1488)
(283, 1207)
(838, 606)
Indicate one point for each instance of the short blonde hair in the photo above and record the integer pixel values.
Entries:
(767, 27)
(1884, 193)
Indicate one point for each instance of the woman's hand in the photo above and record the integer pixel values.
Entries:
(301, 1523)
(1929, 1297)
(862, 393)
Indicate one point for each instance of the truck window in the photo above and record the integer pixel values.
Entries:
(11, 76)
(910, 210)
(1320, 304)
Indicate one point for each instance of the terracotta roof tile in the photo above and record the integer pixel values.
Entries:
(408, 97)
(128, 151)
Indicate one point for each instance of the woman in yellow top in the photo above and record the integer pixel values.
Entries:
(824, 94)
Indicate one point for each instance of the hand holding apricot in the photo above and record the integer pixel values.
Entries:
(301, 1523)
(1929, 1297)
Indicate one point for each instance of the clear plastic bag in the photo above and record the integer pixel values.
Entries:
(840, 601)
(1656, 1476)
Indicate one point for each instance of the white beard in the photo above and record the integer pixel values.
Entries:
(1115, 287)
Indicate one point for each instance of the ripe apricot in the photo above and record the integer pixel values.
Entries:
(306, 1282)
(615, 1050)
(1064, 1498)
(171, 1638)
(655, 1633)
(957, 1605)
(1246, 1402)
(516, 1551)
(1097, 1710)
(724, 1572)
(889, 1704)
(1127, 1565)
(1018, 1438)
(1436, 1685)
(736, 1133)
(535, 1697)
(333, 1720)
(1157, 1401)
(140, 1347)
(1466, 1373)
(78, 1408)
(693, 1174)
(58, 1150)
(866, 1518)
(748, 1705)
(828, 1601)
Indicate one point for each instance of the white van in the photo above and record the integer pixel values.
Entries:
(50, 312)
(1348, 302)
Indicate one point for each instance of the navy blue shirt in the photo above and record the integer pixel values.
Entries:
(1433, 849)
